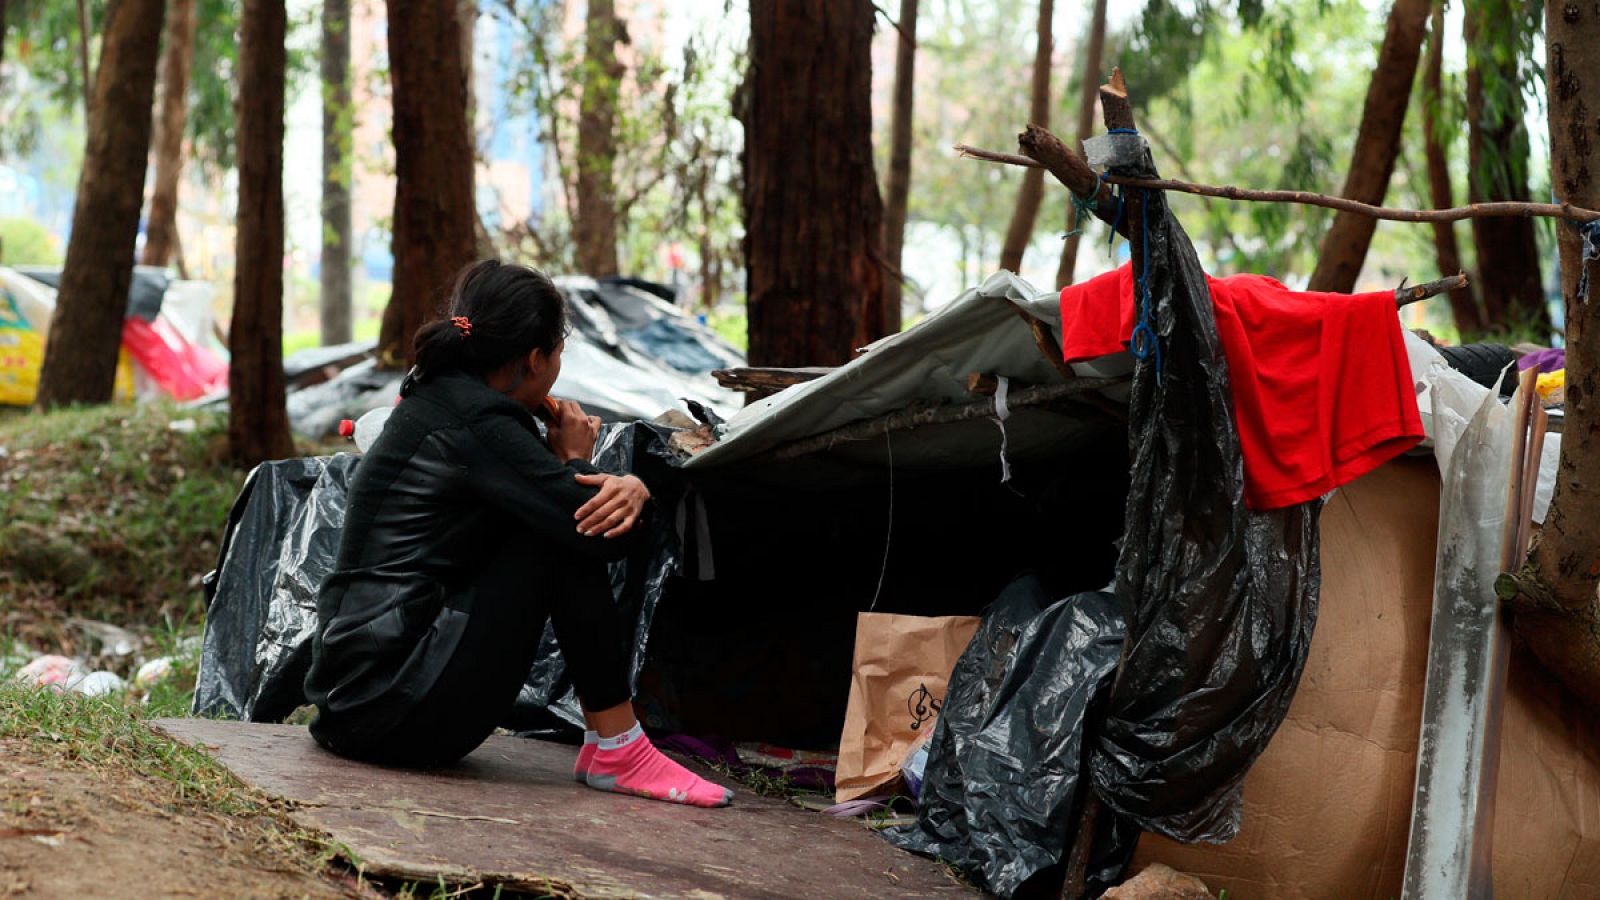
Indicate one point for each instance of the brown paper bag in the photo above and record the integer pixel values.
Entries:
(902, 664)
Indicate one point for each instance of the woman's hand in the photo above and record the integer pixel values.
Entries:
(573, 433)
(614, 510)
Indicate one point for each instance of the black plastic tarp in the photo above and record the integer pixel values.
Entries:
(261, 601)
(281, 541)
(1220, 599)
(1006, 759)
(1217, 601)
(146, 288)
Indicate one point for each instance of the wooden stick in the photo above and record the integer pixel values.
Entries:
(1405, 296)
(757, 378)
(1305, 198)
(939, 414)
(1117, 112)
(1046, 342)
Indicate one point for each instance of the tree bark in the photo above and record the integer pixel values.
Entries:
(813, 217)
(433, 204)
(338, 133)
(161, 227)
(258, 424)
(1344, 248)
(1508, 255)
(1026, 213)
(898, 190)
(1087, 92)
(1559, 616)
(80, 360)
(595, 231)
(1463, 304)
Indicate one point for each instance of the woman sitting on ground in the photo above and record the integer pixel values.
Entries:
(464, 531)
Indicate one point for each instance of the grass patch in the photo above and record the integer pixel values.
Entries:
(732, 325)
(112, 512)
(109, 737)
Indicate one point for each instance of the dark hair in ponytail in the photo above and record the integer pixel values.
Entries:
(498, 312)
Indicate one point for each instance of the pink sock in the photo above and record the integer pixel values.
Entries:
(580, 772)
(630, 764)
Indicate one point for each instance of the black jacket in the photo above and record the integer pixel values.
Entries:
(458, 470)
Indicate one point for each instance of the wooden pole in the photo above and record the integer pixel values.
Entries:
(1118, 113)
(1046, 151)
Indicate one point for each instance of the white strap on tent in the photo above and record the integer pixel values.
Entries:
(1002, 412)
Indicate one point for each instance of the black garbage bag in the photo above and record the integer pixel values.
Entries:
(282, 540)
(1220, 600)
(1005, 761)
(1217, 602)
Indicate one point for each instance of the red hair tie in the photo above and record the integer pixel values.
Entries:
(463, 323)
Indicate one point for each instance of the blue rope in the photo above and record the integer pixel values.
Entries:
(1144, 341)
(1085, 208)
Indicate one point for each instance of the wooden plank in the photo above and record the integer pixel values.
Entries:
(510, 814)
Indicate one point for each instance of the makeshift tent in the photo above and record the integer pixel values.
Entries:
(630, 356)
(167, 346)
(800, 515)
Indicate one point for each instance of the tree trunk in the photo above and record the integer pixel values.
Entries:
(1463, 305)
(899, 185)
(1344, 248)
(161, 228)
(1087, 92)
(80, 360)
(258, 425)
(813, 217)
(1020, 231)
(468, 12)
(1508, 255)
(595, 231)
(1564, 629)
(85, 29)
(338, 134)
(2, 45)
(433, 204)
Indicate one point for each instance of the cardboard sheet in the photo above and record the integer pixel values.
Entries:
(1328, 806)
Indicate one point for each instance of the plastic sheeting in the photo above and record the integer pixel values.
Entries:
(1005, 760)
(146, 287)
(1220, 599)
(1449, 399)
(601, 368)
(1218, 602)
(282, 540)
(261, 602)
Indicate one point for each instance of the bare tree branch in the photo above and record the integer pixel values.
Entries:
(1307, 198)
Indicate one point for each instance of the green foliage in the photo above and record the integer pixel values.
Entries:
(24, 242)
(45, 42)
(1503, 38)
(112, 512)
(210, 124)
(675, 170)
(973, 82)
(1247, 104)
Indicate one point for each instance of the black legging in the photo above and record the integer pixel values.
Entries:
(486, 671)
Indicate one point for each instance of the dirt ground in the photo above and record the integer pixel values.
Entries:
(72, 832)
